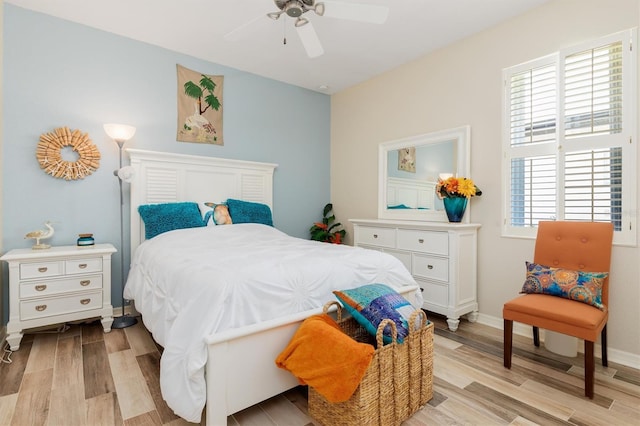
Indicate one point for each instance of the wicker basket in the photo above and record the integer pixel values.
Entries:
(398, 382)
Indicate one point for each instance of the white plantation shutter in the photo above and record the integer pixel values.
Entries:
(593, 91)
(533, 190)
(533, 106)
(593, 186)
(569, 142)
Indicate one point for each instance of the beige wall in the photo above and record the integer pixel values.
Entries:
(458, 85)
(1, 133)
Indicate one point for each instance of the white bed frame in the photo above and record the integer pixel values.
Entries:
(240, 370)
(410, 192)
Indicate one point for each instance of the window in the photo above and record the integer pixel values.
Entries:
(569, 128)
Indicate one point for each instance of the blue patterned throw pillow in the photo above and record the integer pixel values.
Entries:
(585, 287)
(160, 218)
(370, 304)
(248, 212)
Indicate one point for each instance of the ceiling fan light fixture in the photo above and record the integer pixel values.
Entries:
(319, 9)
(274, 15)
(301, 21)
(293, 8)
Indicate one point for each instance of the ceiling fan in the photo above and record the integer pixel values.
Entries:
(370, 13)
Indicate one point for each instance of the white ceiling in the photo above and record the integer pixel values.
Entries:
(354, 52)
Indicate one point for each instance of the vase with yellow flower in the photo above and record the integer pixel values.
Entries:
(455, 193)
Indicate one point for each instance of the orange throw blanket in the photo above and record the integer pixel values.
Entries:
(322, 356)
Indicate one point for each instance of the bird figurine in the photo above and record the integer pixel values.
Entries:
(41, 234)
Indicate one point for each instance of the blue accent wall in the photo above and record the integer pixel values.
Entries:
(58, 73)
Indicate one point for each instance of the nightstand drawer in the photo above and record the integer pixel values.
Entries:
(383, 237)
(40, 269)
(424, 241)
(50, 287)
(434, 268)
(83, 266)
(39, 308)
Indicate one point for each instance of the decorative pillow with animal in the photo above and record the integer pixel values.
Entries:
(220, 214)
(581, 286)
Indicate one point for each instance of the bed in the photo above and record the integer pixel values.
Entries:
(221, 339)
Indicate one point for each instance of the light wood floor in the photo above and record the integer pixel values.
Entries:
(86, 377)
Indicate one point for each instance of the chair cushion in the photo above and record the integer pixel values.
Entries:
(557, 314)
(581, 286)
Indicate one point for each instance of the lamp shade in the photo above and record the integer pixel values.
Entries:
(119, 132)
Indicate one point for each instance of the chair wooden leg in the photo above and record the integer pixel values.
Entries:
(508, 341)
(536, 336)
(603, 344)
(589, 369)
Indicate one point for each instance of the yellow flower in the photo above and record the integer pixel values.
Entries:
(456, 187)
(466, 187)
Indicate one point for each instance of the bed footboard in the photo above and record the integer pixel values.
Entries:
(241, 369)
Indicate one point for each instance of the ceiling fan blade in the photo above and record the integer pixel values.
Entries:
(371, 13)
(248, 28)
(310, 40)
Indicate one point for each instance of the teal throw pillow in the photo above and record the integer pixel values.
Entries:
(249, 212)
(160, 218)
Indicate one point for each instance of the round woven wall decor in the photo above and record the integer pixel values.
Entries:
(49, 154)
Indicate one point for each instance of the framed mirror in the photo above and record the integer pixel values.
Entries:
(408, 170)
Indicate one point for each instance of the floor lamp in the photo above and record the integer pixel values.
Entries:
(121, 133)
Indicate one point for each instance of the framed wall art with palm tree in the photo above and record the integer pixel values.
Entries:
(199, 107)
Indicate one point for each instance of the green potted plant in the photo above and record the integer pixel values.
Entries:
(327, 230)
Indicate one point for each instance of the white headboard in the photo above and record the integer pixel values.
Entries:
(162, 177)
(410, 192)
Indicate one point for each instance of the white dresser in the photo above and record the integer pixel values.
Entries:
(57, 285)
(441, 256)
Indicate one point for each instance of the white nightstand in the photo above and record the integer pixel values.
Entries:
(57, 285)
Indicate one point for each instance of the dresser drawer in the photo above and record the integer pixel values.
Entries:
(434, 268)
(41, 269)
(83, 266)
(40, 308)
(383, 237)
(59, 286)
(424, 241)
(434, 294)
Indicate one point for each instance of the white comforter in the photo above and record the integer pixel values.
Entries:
(191, 283)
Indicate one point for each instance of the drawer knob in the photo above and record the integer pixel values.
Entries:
(85, 282)
(375, 235)
(85, 301)
(41, 287)
(82, 265)
(421, 240)
(429, 266)
(41, 308)
(42, 269)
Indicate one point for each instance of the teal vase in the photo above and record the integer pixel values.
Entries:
(455, 208)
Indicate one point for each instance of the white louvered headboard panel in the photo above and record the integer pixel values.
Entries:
(412, 193)
(161, 177)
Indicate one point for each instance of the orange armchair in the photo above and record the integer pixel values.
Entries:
(584, 246)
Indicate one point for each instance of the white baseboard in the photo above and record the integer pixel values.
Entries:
(614, 355)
